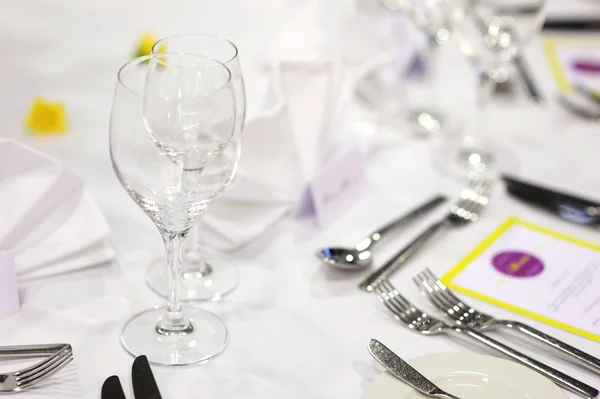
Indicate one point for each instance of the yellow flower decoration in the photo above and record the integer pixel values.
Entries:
(145, 44)
(46, 117)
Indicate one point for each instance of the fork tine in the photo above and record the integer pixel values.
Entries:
(43, 365)
(393, 298)
(386, 300)
(49, 370)
(445, 291)
(402, 302)
(33, 369)
(433, 295)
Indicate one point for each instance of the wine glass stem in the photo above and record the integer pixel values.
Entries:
(174, 322)
(194, 261)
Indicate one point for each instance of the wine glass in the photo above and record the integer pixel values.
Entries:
(173, 147)
(203, 280)
(491, 33)
(383, 87)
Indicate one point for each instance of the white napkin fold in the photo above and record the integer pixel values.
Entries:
(49, 222)
(283, 147)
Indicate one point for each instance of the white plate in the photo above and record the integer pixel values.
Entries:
(469, 376)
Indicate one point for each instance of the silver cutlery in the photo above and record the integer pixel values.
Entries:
(360, 256)
(423, 323)
(27, 377)
(38, 350)
(405, 372)
(445, 300)
(579, 105)
(466, 210)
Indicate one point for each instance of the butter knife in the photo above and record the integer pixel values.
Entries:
(144, 384)
(405, 372)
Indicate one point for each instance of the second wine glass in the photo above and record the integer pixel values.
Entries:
(202, 278)
(173, 148)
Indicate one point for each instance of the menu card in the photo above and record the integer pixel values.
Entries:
(536, 272)
(574, 60)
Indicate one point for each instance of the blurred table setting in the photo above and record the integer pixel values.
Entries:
(245, 246)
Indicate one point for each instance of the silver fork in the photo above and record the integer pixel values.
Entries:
(445, 300)
(466, 210)
(26, 378)
(423, 323)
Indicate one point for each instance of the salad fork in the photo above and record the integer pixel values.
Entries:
(423, 323)
(442, 297)
(25, 378)
(466, 210)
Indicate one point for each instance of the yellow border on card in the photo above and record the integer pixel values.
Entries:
(508, 223)
(549, 46)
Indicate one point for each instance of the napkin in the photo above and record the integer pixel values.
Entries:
(285, 144)
(49, 222)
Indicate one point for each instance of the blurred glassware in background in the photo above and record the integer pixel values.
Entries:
(404, 88)
(491, 33)
(174, 147)
(202, 279)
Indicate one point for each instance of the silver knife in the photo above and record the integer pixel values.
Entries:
(404, 371)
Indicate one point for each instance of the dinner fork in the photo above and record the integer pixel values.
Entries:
(445, 300)
(466, 210)
(23, 379)
(423, 323)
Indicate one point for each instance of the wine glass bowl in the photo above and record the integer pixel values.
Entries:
(171, 133)
(202, 280)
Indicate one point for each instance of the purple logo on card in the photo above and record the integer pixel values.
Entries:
(517, 264)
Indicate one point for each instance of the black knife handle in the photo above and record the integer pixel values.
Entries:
(144, 384)
(112, 389)
(569, 207)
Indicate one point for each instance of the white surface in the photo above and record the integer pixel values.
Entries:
(297, 330)
(469, 376)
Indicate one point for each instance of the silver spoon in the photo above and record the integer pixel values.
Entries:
(360, 256)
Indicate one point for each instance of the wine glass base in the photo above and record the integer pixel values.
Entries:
(207, 339)
(470, 162)
(221, 279)
(425, 122)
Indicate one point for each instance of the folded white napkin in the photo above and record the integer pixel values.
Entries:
(48, 221)
(283, 147)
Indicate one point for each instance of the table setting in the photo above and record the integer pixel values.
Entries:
(303, 198)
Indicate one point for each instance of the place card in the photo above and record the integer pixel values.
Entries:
(574, 60)
(336, 187)
(9, 293)
(537, 272)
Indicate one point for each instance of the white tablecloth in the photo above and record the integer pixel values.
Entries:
(297, 330)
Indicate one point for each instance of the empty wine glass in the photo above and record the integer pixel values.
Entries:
(491, 33)
(202, 279)
(411, 96)
(173, 148)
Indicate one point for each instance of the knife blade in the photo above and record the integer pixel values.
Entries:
(112, 389)
(566, 206)
(404, 371)
(144, 384)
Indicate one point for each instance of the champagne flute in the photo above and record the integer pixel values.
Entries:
(202, 279)
(173, 149)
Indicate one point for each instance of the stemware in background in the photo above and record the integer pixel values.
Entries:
(382, 88)
(491, 33)
(202, 279)
(172, 131)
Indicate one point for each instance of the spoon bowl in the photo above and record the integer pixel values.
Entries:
(345, 258)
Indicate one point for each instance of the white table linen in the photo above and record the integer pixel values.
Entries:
(297, 330)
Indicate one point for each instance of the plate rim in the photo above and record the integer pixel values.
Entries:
(429, 360)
